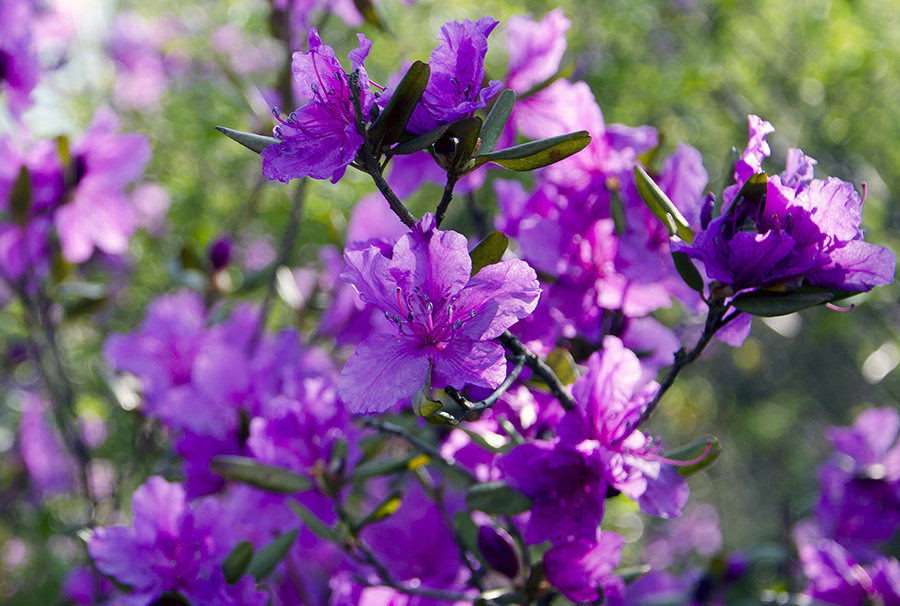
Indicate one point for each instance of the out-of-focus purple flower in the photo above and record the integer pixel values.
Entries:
(99, 213)
(800, 231)
(457, 73)
(141, 77)
(86, 587)
(320, 139)
(151, 203)
(220, 252)
(445, 318)
(582, 569)
(19, 69)
(172, 547)
(50, 466)
(860, 498)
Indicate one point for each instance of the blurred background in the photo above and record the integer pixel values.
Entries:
(825, 73)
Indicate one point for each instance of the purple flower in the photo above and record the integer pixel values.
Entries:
(445, 318)
(19, 68)
(51, 467)
(320, 139)
(172, 547)
(457, 72)
(582, 569)
(610, 399)
(99, 213)
(799, 231)
(861, 488)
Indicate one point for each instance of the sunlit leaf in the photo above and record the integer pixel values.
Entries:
(251, 141)
(693, 452)
(661, 206)
(488, 251)
(537, 154)
(496, 120)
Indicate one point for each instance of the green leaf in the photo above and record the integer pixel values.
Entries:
(421, 142)
(367, 10)
(389, 126)
(497, 498)
(259, 475)
(251, 141)
(537, 154)
(563, 365)
(661, 206)
(695, 450)
(236, 562)
(688, 271)
(266, 559)
(314, 524)
(630, 574)
(494, 442)
(382, 467)
(20, 197)
(496, 120)
(466, 533)
(489, 251)
(767, 303)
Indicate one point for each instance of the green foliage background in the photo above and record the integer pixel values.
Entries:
(825, 73)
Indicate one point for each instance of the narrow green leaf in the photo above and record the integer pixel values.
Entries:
(251, 141)
(694, 451)
(314, 524)
(489, 251)
(661, 206)
(382, 467)
(688, 271)
(537, 154)
(423, 141)
(496, 120)
(20, 197)
(492, 442)
(563, 364)
(259, 475)
(466, 533)
(389, 126)
(497, 498)
(767, 303)
(266, 559)
(236, 562)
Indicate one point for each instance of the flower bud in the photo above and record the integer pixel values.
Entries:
(220, 253)
(498, 550)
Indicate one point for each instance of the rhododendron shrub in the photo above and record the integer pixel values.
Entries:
(414, 410)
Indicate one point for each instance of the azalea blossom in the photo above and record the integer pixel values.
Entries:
(794, 230)
(445, 319)
(320, 139)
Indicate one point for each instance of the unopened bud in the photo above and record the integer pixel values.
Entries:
(498, 550)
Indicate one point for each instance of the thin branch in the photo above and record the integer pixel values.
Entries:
(716, 319)
(369, 163)
(540, 368)
(446, 198)
(420, 444)
(489, 401)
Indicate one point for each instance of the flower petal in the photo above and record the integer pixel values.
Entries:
(383, 370)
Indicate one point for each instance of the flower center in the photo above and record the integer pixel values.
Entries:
(434, 322)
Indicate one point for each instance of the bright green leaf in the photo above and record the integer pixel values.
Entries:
(488, 251)
(382, 467)
(497, 498)
(630, 574)
(266, 559)
(537, 154)
(661, 206)
(693, 452)
(563, 365)
(251, 141)
(259, 475)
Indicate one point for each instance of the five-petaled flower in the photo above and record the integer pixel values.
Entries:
(320, 139)
(445, 318)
